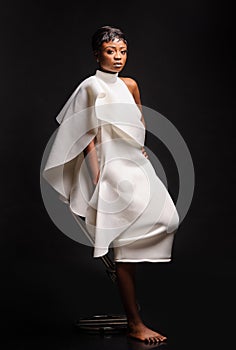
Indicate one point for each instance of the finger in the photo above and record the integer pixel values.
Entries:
(145, 153)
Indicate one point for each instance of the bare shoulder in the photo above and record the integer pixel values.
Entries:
(133, 88)
(131, 83)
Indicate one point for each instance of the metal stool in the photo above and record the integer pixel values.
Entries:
(103, 324)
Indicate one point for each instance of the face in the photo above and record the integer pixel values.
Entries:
(112, 56)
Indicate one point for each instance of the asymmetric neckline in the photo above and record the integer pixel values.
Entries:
(107, 77)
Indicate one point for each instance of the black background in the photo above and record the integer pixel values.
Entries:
(180, 53)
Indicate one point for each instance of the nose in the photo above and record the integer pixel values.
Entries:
(117, 55)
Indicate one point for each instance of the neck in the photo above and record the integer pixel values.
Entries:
(106, 71)
(108, 77)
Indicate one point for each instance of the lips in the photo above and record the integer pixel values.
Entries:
(117, 64)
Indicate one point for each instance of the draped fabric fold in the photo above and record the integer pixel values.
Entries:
(129, 206)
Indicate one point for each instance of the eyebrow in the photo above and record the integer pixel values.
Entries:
(113, 47)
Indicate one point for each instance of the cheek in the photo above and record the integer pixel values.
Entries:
(106, 59)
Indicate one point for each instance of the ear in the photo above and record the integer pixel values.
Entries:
(96, 55)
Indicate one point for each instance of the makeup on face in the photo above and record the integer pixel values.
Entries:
(112, 56)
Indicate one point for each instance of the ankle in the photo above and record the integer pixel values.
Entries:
(134, 324)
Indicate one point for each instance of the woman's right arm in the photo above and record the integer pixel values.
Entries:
(91, 159)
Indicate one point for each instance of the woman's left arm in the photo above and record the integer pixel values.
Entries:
(134, 89)
(137, 98)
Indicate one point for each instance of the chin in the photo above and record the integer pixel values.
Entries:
(112, 69)
(118, 69)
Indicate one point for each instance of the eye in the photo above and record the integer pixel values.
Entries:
(124, 52)
(109, 52)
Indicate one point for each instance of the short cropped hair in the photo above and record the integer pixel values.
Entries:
(106, 34)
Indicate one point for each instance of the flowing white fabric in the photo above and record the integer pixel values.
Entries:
(130, 209)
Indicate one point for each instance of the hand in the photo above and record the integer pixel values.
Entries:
(97, 178)
(144, 152)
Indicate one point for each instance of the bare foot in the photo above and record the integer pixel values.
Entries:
(143, 333)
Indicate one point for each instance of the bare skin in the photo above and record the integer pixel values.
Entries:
(111, 58)
(136, 328)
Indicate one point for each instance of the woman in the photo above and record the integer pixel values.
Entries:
(99, 165)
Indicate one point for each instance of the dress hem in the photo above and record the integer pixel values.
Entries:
(142, 260)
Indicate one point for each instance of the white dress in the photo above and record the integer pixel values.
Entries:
(130, 208)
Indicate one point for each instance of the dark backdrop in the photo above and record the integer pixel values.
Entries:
(180, 53)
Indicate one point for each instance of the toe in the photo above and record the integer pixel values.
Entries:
(153, 340)
(148, 340)
(156, 340)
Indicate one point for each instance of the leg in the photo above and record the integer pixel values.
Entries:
(126, 283)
